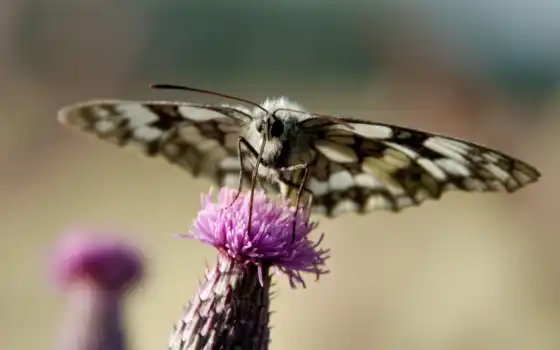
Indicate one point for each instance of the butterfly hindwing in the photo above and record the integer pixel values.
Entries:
(365, 166)
(199, 138)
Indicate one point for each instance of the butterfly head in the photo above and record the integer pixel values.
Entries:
(275, 124)
(274, 129)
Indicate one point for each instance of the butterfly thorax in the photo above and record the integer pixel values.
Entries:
(280, 130)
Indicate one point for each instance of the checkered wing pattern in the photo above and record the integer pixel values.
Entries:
(365, 166)
(201, 139)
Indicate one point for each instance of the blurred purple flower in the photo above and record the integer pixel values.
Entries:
(95, 271)
(230, 308)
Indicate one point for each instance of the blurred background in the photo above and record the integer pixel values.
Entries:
(472, 271)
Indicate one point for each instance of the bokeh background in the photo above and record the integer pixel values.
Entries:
(473, 271)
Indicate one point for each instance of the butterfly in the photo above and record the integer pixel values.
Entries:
(339, 165)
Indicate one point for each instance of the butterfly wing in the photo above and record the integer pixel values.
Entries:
(200, 139)
(362, 166)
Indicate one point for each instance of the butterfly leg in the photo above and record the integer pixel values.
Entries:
(240, 184)
(243, 142)
(299, 193)
(253, 182)
(301, 188)
(309, 205)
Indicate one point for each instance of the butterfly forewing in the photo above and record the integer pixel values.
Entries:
(200, 139)
(365, 166)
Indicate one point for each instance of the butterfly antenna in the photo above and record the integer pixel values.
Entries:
(208, 92)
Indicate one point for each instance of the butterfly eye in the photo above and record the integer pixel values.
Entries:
(277, 128)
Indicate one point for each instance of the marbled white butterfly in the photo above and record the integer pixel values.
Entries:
(345, 164)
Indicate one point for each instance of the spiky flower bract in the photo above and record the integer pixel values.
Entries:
(231, 307)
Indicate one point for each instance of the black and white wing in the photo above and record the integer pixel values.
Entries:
(366, 166)
(201, 139)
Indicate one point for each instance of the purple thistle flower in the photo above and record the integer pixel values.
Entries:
(230, 308)
(95, 271)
